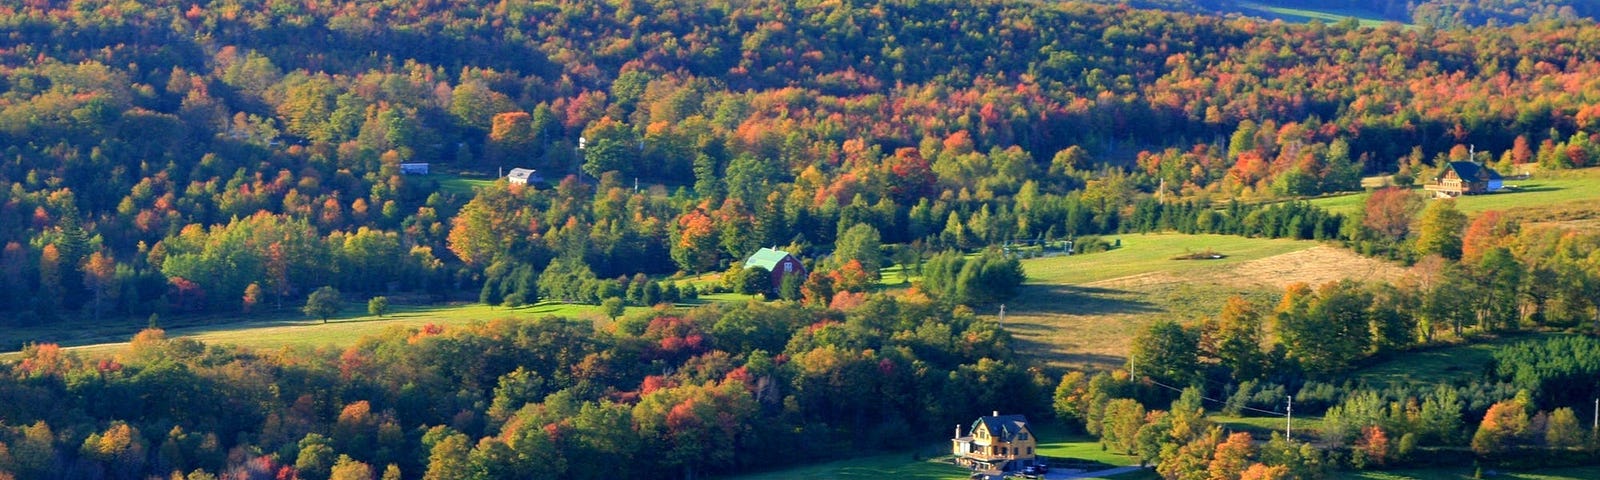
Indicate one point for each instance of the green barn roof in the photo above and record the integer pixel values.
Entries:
(766, 258)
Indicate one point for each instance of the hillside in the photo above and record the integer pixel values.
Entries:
(1435, 13)
(250, 174)
(1079, 310)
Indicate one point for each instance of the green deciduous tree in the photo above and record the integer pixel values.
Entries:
(1166, 351)
(447, 459)
(861, 243)
(1439, 229)
(1563, 430)
(316, 458)
(1120, 426)
(346, 468)
(612, 307)
(323, 303)
(1326, 330)
(378, 306)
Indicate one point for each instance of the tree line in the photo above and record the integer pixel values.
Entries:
(717, 389)
(132, 135)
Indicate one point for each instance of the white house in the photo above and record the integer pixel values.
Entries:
(524, 176)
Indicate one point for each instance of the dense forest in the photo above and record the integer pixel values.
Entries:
(714, 389)
(166, 159)
(1433, 13)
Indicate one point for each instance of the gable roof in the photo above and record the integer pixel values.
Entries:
(1003, 427)
(1470, 171)
(767, 258)
(523, 174)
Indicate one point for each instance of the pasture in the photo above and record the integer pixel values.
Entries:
(1082, 310)
(276, 330)
(1260, 9)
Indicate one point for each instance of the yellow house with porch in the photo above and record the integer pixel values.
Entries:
(996, 442)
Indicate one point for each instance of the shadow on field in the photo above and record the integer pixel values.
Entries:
(1531, 188)
(1058, 351)
(1078, 300)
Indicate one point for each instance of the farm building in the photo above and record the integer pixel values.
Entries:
(413, 169)
(1464, 178)
(523, 176)
(779, 262)
(996, 443)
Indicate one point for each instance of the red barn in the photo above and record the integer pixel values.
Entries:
(779, 262)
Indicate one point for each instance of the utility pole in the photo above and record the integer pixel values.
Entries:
(1597, 414)
(1288, 427)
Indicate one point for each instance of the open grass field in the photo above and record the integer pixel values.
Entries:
(1302, 15)
(1082, 310)
(458, 184)
(889, 465)
(274, 331)
(1545, 191)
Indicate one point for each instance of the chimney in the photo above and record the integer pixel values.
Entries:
(958, 431)
(996, 413)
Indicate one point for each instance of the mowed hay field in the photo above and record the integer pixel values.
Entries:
(1083, 310)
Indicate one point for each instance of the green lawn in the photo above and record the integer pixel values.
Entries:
(277, 330)
(890, 465)
(1059, 444)
(1544, 191)
(1302, 15)
(1141, 254)
(458, 184)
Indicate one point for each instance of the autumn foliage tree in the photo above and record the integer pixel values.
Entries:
(1502, 427)
(1389, 213)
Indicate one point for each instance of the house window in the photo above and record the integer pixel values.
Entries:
(1030, 450)
(1002, 450)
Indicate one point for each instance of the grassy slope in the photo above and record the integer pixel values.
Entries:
(1059, 319)
(1142, 254)
(1554, 190)
(278, 330)
(1302, 15)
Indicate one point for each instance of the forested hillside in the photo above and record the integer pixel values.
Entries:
(1434, 13)
(166, 156)
(215, 160)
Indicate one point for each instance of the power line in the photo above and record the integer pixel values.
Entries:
(1223, 402)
